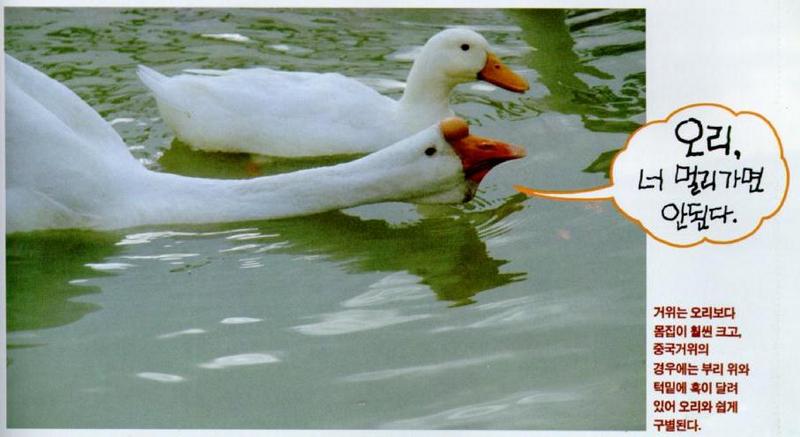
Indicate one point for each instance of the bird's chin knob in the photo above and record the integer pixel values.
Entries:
(454, 128)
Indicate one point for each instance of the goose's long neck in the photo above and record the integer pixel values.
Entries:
(167, 198)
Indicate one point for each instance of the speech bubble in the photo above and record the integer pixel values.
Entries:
(703, 174)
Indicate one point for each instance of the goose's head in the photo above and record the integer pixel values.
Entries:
(461, 55)
(441, 164)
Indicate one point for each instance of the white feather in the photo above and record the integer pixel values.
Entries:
(68, 168)
(270, 112)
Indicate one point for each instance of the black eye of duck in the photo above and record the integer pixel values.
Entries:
(430, 151)
(465, 47)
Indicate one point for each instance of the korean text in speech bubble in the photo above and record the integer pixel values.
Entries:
(705, 173)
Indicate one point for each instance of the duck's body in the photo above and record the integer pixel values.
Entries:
(296, 114)
(68, 168)
(293, 114)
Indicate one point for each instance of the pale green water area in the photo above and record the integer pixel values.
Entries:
(507, 312)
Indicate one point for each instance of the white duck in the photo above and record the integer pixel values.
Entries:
(68, 168)
(292, 114)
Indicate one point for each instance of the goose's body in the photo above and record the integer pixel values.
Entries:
(68, 168)
(279, 113)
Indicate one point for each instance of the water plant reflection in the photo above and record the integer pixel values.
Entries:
(563, 70)
(45, 272)
(560, 66)
(445, 251)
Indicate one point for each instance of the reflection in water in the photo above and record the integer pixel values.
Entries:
(395, 287)
(47, 269)
(559, 65)
(44, 272)
(445, 251)
(456, 268)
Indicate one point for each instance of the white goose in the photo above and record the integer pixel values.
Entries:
(290, 114)
(68, 168)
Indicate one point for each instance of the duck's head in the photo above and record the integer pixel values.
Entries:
(442, 164)
(461, 55)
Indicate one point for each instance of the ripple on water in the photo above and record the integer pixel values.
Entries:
(250, 263)
(190, 331)
(250, 236)
(493, 411)
(233, 37)
(249, 359)
(240, 248)
(349, 321)
(273, 246)
(256, 248)
(147, 237)
(517, 311)
(238, 320)
(427, 369)
(104, 267)
(286, 48)
(163, 257)
(400, 286)
(160, 377)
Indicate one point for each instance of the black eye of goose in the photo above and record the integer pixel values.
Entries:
(465, 47)
(430, 151)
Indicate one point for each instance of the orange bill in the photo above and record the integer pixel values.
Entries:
(478, 154)
(495, 72)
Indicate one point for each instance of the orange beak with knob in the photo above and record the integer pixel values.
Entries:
(478, 154)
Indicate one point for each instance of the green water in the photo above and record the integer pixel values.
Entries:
(508, 312)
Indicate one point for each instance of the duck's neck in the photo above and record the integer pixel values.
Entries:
(427, 89)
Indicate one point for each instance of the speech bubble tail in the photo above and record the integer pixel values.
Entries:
(600, 193)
